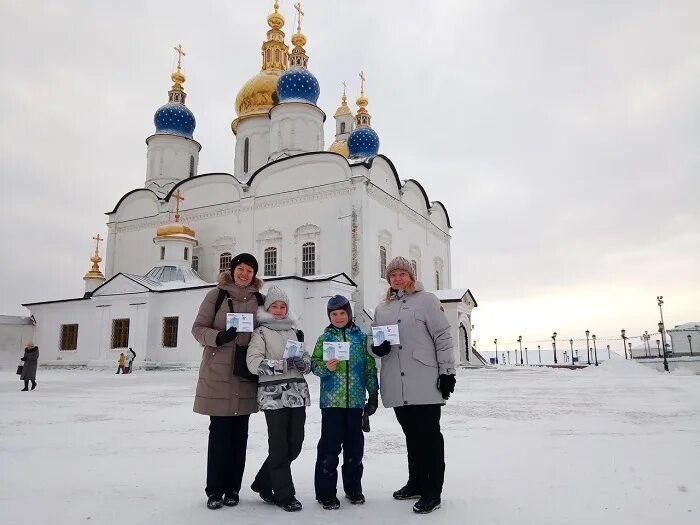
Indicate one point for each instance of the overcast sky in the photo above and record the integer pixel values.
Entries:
(562, 136)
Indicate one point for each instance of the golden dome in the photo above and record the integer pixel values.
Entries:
(178, 77)
(275, 20)
(343, 109)
(340, 146)
(176, 228)
(255, 97)
(298, 39)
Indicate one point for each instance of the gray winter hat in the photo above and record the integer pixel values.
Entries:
(275, 293)
(400, 263)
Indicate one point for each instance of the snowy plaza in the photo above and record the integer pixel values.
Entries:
(617, 444)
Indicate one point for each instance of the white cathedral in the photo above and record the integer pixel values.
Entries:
(320, 221)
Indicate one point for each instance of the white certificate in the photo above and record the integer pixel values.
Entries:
(338, 350)
(241, 322)
(389, 332)
(293, 349)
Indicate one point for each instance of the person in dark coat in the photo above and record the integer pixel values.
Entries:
(30, 361)
(417, 377)
(225, 391)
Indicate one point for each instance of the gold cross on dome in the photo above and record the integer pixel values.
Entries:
(344, 87)
(180, 53)
(97, 240)
(362, 82)
(178, 197)
(300, 13)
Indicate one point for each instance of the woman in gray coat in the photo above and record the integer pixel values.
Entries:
(417, 376)
(30, 360)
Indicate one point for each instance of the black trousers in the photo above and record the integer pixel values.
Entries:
(425, 446)
(285, 435)
(228, 440)
(340, 427)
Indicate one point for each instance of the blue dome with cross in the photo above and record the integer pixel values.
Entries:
(174, 119)
(298, 85)
(363, 142)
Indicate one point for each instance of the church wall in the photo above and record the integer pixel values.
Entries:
(257, 131)
(14, 336)
(170, 158)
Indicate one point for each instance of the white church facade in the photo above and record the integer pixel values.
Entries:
(321, 221)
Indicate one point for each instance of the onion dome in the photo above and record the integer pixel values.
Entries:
(174, 118)
(341, 147)
(257, 96)
(363, 141)
(175, 229)
(94, 272)
(298, 84)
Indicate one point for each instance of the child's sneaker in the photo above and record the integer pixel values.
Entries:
(267, 497)
(290, 505)
(214, 502)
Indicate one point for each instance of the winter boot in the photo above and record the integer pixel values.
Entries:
(33, 385)
(426, 504)
(290, 505)
(267, 497)
(214, 502)
(330, 503)
(356, 498)
(407, 492)
(26, 385)
(231, 499)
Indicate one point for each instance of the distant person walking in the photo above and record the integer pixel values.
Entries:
(121, 363)
(131, 357)
(417, 376)
(31, 361)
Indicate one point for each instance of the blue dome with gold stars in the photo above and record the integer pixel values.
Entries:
(174, 119)
(298, 85)
(363, 142)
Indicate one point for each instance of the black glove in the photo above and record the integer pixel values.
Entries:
(300, 336)
(446, 384)
(226, 336)
(372, 403)
(296, 362)
(23, 359)
(382, 349)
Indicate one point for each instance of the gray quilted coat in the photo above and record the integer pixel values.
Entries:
(410, 371)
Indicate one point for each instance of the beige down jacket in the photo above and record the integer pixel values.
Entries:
(219, 392)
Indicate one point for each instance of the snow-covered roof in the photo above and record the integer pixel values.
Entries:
(685, 327)
(313, 278)
(453, 295)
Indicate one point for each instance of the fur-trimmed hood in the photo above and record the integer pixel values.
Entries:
(225, 278)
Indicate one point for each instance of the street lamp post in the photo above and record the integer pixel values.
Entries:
(595, 349)
(690, 344)
(658, 346)
(495, 341)
(554, 345)
(608, 352)
(539, 354)
(527, 358)
(504, 357)
(660, 301)
(571, 343)
(661, 331)
(520, 342)
(646, 341)
(624, 342)
(588, 346)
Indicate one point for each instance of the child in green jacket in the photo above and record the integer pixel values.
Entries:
(342, 400)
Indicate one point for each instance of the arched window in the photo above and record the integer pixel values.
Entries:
(191, 165)
(270, 261)
(437, 279)
(162, 253)
(225, 261)
(186, 253)
(342, 127)
(246, 154)
(463, 342)
(414, 265)
(382, 262)
(195, 263)
(308, 258)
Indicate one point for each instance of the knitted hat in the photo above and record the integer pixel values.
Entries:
(400, 263)
(245, 258)
(275, 293)
(338, 302)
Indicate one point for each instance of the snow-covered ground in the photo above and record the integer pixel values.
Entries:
(619, 444)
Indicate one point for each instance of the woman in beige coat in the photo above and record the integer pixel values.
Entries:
(226, 391)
